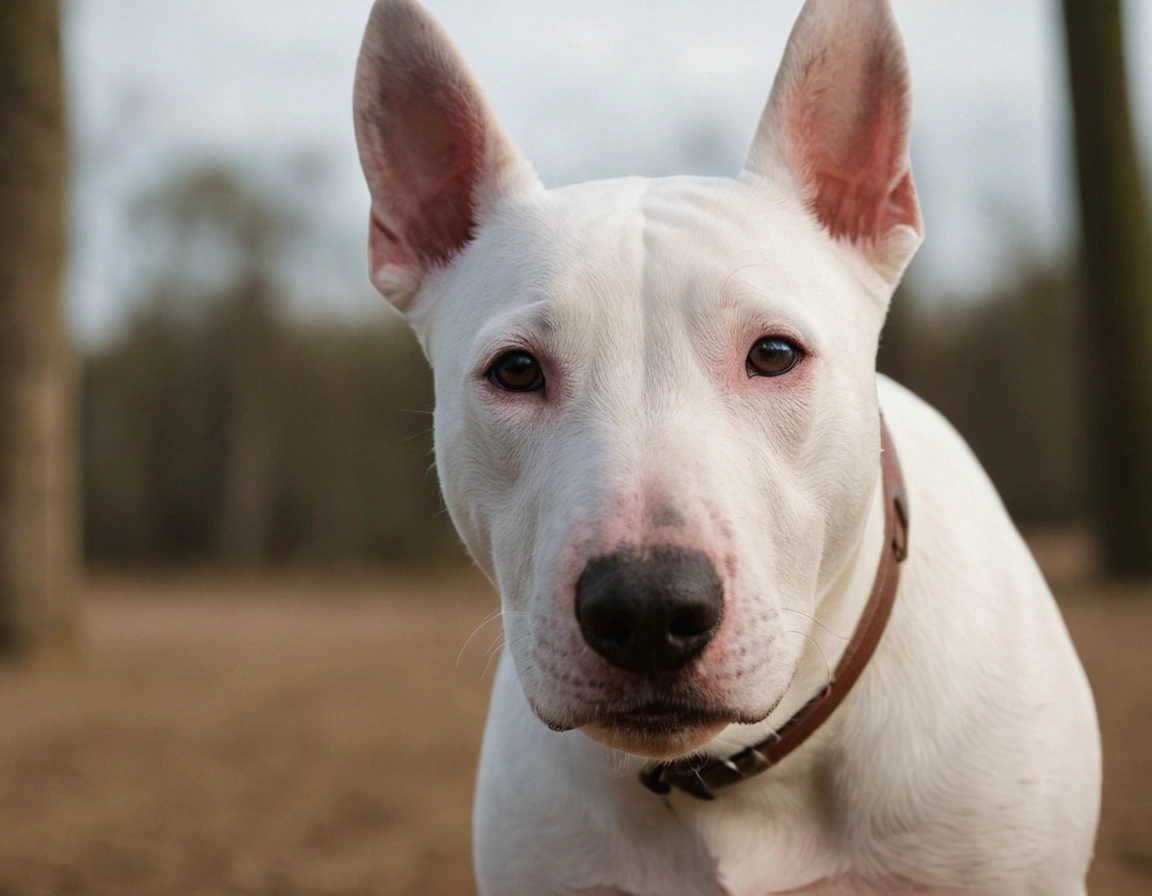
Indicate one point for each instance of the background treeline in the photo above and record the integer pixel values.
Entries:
(1008, 370)
(221, 426)
(333, 462)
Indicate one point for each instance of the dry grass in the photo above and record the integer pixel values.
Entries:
(316, 737)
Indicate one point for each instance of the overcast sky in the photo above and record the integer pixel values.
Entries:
(587, 89)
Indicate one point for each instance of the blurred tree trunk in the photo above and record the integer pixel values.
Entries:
(252, 435)
(1117, 271)
(38, 537)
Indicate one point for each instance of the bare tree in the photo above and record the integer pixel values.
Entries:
(1117, 271)
(38, 538)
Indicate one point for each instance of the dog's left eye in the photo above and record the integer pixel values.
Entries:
(517, 371)
(773, 356)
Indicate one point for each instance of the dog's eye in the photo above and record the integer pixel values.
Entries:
(773, 356)
(517, 371)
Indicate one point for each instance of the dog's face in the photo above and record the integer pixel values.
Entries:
(656, 421)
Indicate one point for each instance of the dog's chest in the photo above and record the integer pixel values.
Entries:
(820, 888)
(738, 853)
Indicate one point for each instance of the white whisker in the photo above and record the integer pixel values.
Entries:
(816, 621)
(491, 617)
(819, 649)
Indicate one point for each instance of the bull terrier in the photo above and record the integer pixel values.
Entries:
(769, 627)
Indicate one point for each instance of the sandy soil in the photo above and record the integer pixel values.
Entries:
(318, 736)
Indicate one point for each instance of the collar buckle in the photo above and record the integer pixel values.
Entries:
(699, 777)
(900, 535)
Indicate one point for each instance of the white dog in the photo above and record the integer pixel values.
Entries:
(658, 430)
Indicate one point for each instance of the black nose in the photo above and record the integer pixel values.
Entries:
(652, 611)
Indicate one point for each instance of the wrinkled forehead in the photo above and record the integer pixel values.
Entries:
(653, 253)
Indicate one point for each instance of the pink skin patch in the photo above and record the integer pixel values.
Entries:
(431, 193)
(863, 888)
(855, 165)
(426, 143)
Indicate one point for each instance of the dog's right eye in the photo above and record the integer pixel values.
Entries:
(773, 356)
(517, 371)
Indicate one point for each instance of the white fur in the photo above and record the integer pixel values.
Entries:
(967, 757)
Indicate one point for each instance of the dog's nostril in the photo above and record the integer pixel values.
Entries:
(692, 624)
(649, 612)
(614, 631)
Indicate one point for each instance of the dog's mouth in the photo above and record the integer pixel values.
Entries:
(657, 729)
(658, 732)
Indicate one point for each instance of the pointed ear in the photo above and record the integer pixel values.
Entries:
(837, 124)
(435, 158)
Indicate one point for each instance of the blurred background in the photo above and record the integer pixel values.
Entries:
(242, 649)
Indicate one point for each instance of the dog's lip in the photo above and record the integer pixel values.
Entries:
(651, 717)
(659, 731)
(657, 712)
(658, 707)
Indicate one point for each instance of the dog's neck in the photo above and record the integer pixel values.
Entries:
(837, 612)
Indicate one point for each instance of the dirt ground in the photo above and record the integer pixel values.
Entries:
(318, 736)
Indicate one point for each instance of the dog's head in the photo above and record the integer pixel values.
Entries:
(656, 419)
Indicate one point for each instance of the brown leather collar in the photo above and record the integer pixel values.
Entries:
(699, 777)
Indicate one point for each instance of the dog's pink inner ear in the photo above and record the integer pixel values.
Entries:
(838, 123)
(424, 182)
(851, 148)
(433, 153)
